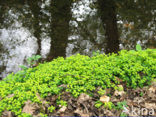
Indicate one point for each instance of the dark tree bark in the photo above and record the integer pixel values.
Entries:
(36, 12)
(60, 18)
(2, 9)
(107, 12)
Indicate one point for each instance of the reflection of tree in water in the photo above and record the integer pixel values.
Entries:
(2, 67)
(135, 25)
(138, 17)
(19, 45)
(86, 33)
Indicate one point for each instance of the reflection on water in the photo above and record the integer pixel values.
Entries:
(18, 45)
(87, 35)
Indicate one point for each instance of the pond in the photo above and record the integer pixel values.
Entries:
(25, 31)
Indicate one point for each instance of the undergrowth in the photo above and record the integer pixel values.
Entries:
(81, 74)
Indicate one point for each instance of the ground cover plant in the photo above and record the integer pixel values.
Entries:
(76, 75)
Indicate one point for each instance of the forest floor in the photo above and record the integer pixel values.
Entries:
(130, 102)
(127, 102)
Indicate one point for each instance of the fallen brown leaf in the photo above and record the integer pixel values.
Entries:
(81, 113)
(104, 99)
(11, 95)
(152, 89)
(150, 105)
(119, 93)
(114, 99)
(7, 114)
(108, 113)
(30, 107)
(83, 97)
(63, 109)
(138, 100)
(130, 102)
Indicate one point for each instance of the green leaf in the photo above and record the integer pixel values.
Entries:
(23, 67)
(138, 47)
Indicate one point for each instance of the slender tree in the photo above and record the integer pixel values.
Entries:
(60, 18)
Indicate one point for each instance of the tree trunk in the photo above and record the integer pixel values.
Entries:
(2, 9)
(36, 12)
(60, 18)
(107, 12)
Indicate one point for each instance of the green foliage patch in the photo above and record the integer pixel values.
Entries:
(81, 74)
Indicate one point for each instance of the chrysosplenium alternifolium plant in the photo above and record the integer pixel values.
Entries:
(81, 74)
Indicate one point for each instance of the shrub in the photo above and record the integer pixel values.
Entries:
(81, 74)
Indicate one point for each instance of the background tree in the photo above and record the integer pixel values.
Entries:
(138, 17)
(107, 11)
(60, 18)
(35, 8)
(126, 22)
